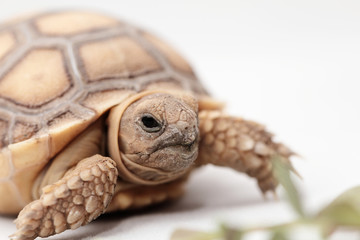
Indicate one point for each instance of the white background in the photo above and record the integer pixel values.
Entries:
(291, 65)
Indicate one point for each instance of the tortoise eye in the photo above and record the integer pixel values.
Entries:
(150, 124)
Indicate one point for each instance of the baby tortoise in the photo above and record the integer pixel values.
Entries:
(97, 115)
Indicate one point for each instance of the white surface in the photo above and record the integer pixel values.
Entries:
(291, 65)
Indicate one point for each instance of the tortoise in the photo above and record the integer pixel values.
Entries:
(97, 115)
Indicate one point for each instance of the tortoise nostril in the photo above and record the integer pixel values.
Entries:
(189, 139)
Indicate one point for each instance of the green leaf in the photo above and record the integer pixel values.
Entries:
(278, 235)
(344, 210)
(186, 234)
(282, 170)
(231, 233)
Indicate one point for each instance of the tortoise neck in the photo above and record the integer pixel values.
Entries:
(129, 170)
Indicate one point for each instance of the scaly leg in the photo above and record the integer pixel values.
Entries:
(75, 200)
(242, 145)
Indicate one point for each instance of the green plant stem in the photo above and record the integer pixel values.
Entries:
(275, 228)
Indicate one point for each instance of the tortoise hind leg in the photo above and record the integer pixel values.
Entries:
(75, 200)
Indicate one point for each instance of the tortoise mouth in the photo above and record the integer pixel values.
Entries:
(168, 157)
(184, 147)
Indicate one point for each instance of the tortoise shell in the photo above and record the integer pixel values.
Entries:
(61, 71)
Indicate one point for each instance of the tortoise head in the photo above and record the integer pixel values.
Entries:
(158, 136)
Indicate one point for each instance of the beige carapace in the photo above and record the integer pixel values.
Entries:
(97, 115)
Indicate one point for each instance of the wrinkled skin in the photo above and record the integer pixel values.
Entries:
(160, 131)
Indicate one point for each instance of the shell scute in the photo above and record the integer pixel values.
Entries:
(64, 127)
(175, 59)
(24, 130)
(38, 78)
(97, 100)
(117, 57)
(72, 22)
(4, 125)
(7, 43)
(24, 153)
(9, 205)
(5, 166)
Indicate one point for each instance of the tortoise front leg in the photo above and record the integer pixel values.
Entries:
(75, 200)
(242, 145)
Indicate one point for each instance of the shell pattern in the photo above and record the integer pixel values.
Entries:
(59, 72)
